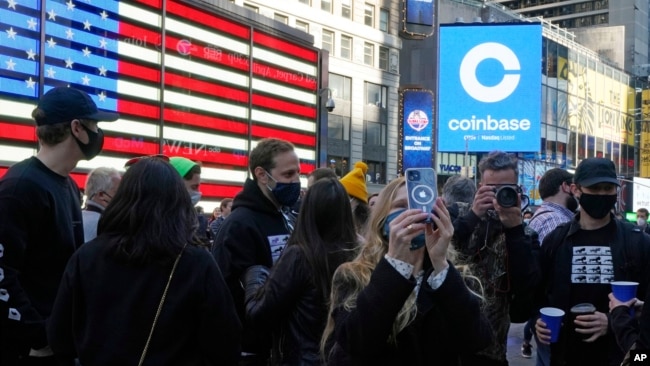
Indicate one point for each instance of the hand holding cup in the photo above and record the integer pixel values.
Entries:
(624, 291)
(549, 324)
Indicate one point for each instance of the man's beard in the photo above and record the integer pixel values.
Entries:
(571, 203)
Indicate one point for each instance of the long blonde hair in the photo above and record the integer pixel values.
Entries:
(352, 277)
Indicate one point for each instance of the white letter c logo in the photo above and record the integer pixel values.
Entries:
(484, 51)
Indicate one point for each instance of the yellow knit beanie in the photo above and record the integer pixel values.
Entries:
(355, 182)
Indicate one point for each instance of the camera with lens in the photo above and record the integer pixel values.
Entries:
(507, 196)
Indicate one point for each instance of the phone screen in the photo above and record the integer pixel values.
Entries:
(421, 188)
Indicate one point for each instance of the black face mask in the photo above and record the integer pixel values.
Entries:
(597, 205)
(571, 203)
(94, 145)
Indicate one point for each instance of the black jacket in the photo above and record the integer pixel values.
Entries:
(105, 309)
(448, 324)
(504, 259)
(630, 252)
(289, 302)
(254, 234)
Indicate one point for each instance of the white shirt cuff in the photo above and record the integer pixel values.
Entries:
(436, 281)
(405, 269)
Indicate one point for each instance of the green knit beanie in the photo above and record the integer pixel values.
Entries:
(182, 165)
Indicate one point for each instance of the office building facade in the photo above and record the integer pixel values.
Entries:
(590, 19)
(363, 44)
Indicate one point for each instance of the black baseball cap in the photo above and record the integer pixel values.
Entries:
(63, 104)
(592, 171)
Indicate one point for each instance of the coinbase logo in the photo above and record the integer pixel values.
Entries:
(490, 87)
(480, 53)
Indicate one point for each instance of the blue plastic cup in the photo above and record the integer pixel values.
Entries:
(553, 319)
(625, 291)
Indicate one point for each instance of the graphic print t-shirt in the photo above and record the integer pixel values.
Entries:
(592, 270)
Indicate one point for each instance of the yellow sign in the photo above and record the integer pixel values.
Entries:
(597, 104)
(645, 134)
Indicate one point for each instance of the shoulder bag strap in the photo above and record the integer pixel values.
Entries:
(162, 301)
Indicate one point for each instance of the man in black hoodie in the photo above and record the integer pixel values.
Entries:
(258, 228)
(40, 221)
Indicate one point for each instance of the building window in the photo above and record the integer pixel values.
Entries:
(281, 18)
(376, 95)
(326, 5)
(338, 127)
(346, 9)
(328, 41)
(346, 47)
(383, 20)
(383, 58)
(374, 133)
(376, 172)
(252, 8)
(369, 54)
(306, 2)
(369, 15)
(340, 86)
(302, 26)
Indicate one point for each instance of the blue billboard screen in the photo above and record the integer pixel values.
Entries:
(489, 93)
(419, 12)
(417, 129)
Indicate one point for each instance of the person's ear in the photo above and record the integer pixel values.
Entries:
(565, 187)
(260, 174)
(76, 129)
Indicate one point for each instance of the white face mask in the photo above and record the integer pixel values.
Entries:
(195, 196)
(640, 222)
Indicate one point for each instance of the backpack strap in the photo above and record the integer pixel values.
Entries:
(538, 215)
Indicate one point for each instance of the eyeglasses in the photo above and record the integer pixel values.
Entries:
(132, 161)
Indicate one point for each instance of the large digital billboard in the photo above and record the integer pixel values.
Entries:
(489, 92)
(641, 193)
(187, 81)
(419, 12)
(416, 128)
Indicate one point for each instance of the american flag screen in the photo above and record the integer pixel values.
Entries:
(186, 80)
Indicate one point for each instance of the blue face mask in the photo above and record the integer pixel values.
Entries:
(417, 242)
(285, 193)
(195, 196)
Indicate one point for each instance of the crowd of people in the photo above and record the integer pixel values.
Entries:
(329, 274)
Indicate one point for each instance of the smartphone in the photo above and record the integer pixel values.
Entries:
(422, 188)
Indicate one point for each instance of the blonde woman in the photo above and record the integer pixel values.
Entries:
(397, 306)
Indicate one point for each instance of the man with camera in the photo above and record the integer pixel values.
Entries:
(490, 236)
